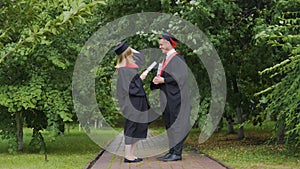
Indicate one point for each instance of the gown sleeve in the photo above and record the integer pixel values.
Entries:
(136, 87)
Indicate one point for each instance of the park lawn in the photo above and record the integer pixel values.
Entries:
(253, 152)
(73, 150)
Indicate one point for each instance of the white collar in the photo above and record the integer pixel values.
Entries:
(170, 52)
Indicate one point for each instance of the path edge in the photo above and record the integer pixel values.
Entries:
(93, 161)
(218, 161)
(208, 156)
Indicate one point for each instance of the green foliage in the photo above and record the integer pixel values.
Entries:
(116, 9)
(37, 142)
(38, 50)
(104, 90)
(282, 98)
(36, 22)
(202, 113)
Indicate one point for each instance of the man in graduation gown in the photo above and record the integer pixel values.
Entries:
(172, 80)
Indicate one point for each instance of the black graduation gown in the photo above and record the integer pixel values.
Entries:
(133, 104)
(174, 98)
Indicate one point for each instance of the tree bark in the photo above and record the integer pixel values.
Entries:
(238, 109)
(240, 121)
(19, 125)
(280, 133)
(230, 123)
(69, 128)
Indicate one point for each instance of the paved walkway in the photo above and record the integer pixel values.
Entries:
(149, 150)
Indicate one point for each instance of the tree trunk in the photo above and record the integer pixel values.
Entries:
(96, 124)
(280, 131)
(69, 128)
(240, 121)
(238, 109)
(19, 123)
(230, 125)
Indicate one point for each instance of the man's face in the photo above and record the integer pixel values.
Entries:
(164, 45)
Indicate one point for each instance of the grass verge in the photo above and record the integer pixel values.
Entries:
(252, 152)
(71, 151)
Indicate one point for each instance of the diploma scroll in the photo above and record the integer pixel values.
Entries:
(151, 66)
(159, 69)
(145, 73)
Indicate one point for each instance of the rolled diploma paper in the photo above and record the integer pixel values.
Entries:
(151, 66)
(159, 69)
(145, 73)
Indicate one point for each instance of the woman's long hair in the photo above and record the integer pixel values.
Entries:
(125, 57)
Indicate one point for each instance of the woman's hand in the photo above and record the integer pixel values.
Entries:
(144, 74)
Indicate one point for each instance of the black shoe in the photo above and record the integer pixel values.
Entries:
(132, 161)
(140, 159)
(173, 157)
(163, 157)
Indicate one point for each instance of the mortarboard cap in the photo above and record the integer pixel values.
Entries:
(121, 47)
(170, 38)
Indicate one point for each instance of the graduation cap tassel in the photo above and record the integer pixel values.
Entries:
(173, 43)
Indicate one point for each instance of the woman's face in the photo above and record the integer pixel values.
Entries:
(164, 45)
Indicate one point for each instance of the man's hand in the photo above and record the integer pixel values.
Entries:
(158, 80)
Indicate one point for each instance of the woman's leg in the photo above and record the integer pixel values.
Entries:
(128, 152)
(133, 149)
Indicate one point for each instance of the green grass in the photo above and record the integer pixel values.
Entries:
(253, 152)
(74, 150)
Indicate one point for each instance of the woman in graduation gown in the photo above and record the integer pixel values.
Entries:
(131, 99)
